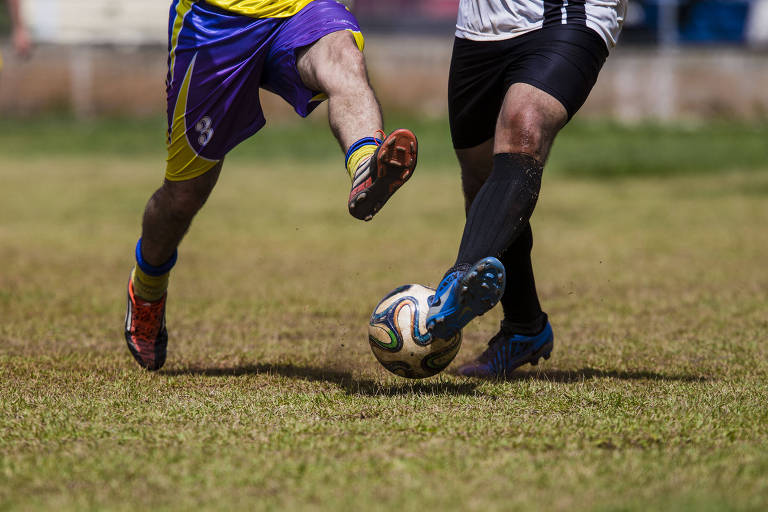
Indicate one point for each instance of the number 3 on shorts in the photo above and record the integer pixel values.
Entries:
(204, 128)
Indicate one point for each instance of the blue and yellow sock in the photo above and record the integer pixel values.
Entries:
(151, 282)
(359, 152)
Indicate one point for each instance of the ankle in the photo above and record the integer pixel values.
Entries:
(525, 327)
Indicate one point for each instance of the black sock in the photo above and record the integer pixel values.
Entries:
(522, 310)
(502, 208)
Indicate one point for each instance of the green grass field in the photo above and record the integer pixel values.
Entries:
(654, 276)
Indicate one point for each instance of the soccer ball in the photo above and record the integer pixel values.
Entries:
(399, 338)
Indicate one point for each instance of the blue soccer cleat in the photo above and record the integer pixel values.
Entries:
(464, 295)
(507, 351)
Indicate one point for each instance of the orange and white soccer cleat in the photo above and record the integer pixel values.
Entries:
(379, 177)
(145, 331)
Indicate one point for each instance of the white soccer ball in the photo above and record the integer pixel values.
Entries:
(399, 338)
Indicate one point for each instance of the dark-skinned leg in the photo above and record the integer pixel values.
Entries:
(169, 213)
(167, 217)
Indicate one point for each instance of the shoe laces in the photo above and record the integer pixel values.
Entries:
(453, 273)
(147, 319)
(362, 172)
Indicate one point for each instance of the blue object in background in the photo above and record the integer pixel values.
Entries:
(714, 21)
(699, 21)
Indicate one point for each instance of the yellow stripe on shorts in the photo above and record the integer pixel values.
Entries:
(261, 8)
(183, 162)
(182, 9)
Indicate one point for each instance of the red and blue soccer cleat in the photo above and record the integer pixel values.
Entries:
(507, 351)
(145, 331)
(463, 295)
(377, 179)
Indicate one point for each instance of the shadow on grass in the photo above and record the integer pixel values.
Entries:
(344, 379)
(569, 376)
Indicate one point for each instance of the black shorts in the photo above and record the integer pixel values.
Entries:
(563, 61)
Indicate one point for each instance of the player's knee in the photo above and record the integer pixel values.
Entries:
(351, 67)
(529, 130)
(527, 133)
(345, 71)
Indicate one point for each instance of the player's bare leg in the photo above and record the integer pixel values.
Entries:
(476, 164)
(169, 213)
(335, 66)
(167, 217)
(378, 167)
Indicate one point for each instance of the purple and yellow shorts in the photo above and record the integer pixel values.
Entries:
(218, 60)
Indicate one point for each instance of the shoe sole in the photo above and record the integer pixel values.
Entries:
(395, 163)
(479, 290)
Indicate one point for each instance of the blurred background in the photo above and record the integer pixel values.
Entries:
(677, 59)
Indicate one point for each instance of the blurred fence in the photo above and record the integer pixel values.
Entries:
(675, 59)
(647, 21)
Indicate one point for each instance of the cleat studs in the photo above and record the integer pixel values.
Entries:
(362, 196)
(464, 289)
(485, 286)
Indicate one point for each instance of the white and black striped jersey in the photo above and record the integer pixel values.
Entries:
(491, 20)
